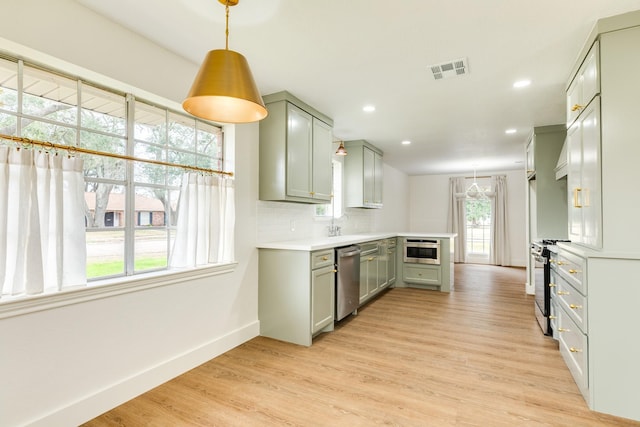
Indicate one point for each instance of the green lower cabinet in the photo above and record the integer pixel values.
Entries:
(422, 274)
(322, 298)
(296, 294)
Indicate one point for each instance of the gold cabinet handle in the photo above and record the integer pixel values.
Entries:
(577, 107)
(560, 263)
(575, 306)
(575, 350)
(553, 317)
(552, 285)
(370, 259)
(552, 261)
(563, 292)
(335, 271)
(575, 197)
(572, 271)
(324, 258)
(563, 330)
(312, 193)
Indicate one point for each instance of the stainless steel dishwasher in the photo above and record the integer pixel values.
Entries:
(347, 281)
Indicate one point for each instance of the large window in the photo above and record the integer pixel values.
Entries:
(333, 209)
(478, 223)
(130, 206)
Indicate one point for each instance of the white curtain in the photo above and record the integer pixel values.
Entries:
(456, 221)
(206, 218)
(42, 230)
(500, 253)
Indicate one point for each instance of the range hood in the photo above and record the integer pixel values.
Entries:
(561, 166)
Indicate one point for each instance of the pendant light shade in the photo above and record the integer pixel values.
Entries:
(224, 90)
(341, 151)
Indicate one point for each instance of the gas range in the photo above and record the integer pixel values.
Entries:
(540, 252)
(539, 246)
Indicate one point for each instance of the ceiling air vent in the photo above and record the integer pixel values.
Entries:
(458, 67)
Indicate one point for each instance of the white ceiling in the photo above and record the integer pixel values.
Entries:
(339, 55)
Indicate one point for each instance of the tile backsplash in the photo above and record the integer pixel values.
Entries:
(279, 221)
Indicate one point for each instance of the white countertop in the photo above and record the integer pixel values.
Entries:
(317, 243)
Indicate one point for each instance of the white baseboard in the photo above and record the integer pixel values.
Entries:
(126, 389)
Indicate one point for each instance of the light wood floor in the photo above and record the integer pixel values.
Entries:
(475, 357)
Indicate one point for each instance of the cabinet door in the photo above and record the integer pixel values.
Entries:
(591, 177)
(368, 164)
(584, 178)
(590, 75)
(364, 277)
(392, 265)
(377, 179)
(321, 170)
(373, 280)
(322, 298)
(574, 171)
(299, 151)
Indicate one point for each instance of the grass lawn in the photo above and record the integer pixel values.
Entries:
(100, 269)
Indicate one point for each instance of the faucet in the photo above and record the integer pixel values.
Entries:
(334, 230)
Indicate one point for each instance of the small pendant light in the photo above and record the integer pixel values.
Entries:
(341, 151)
(224, 90)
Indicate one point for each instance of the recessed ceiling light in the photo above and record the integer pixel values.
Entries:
(521, 83)
(509, 131)
(369, 108)
(406, 142)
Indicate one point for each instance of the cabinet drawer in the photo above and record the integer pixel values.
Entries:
(429, 275)
(321, 258)
(572, 301)
(571, 268)
(574, 350)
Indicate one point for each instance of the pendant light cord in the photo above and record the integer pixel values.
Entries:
(226, 31)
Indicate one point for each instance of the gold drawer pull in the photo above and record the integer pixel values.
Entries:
(553, 317)
(552, 285)
(324, 258)
(577, 107)
(563, 293)
(370, 259)
(564, 330)
(552, 261)
(335, 271)
(572, 271)
(574, 306)
(560, 263)
(575, 350)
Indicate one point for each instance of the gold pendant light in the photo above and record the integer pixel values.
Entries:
(224, 90)
(341, 151)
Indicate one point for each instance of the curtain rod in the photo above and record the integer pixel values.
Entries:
(72, 150)
(471, 177)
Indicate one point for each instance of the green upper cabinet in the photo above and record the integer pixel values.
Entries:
(363, 175)
(295, 151)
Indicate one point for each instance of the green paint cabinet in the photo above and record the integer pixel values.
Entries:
(295, 152)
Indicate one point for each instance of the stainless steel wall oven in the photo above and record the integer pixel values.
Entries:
(422, 251)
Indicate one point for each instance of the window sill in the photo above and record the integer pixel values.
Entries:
(10, 307)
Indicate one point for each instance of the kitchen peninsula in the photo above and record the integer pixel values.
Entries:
(296, 297)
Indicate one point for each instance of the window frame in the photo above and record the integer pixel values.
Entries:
(104, 287)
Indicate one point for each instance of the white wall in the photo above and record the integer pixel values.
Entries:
(65, 365)
(429, 201)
